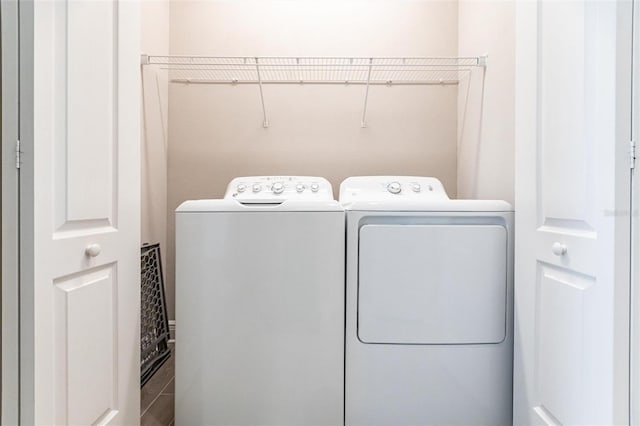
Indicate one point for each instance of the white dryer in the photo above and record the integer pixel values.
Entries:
(260, 305)
(429, 311)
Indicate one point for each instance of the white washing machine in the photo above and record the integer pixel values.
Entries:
(429, 335)
(260, 305)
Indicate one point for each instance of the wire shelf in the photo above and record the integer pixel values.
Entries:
(315, 70)
(328, 70)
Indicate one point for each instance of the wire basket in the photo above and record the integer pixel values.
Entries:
(154, 325)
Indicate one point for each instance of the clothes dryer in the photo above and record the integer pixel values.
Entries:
(429, 305)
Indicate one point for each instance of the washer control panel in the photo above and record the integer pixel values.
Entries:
(385, 188)
(276, 189)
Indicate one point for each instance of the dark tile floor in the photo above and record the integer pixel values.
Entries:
(157, 396)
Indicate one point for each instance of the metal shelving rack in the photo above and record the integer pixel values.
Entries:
(315, 70)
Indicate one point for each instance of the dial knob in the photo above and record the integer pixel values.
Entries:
(241, 188)
(394, 187)
(300, 187)
(256, 187)
(315, 187)
(416, 187)
(277, 187)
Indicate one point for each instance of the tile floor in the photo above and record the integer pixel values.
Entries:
(157, 396)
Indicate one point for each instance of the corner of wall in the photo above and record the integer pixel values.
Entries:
(486, 122)
(155, 38)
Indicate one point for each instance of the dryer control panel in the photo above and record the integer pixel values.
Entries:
(276, 189)
(385, 188)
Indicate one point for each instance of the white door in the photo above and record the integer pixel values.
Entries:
(80, 212)
(572, 212)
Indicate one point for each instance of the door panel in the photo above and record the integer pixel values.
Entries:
(410, 291)
(91, 68)
(84, 334)
(86, 125)
(564, 158)
(572, 192)
(84, 330)
(560, 311)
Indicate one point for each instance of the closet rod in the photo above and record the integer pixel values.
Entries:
(332, 83)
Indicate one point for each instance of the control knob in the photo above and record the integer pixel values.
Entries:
(241, 187)
(300, 187)
(416, 187)
(277, 188)
(315, 187)
(256, 187)
(394, 187)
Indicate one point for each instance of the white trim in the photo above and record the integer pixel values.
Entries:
(26, 228)
(10, 179)
(634, 374)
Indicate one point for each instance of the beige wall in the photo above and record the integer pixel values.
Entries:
(154, 39)
(215, 132)
(206, 135)
(486, 120)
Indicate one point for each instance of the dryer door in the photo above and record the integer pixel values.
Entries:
(432, 284)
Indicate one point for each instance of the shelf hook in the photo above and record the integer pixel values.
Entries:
(265, 121)
(363, 122)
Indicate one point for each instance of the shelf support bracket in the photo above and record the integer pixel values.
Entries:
(265, 120)
(363, 122)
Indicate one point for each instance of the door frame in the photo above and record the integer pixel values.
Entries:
(26, 213)
(634, 326)
(10, 406)
(17, 212)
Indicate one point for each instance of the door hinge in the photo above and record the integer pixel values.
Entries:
(18, 154)
(632, 154)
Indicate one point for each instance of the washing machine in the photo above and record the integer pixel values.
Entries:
(429, 305)
(260, 305)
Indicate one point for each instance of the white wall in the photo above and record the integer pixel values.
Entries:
(486, 125)
(215, 132)
(154, 146)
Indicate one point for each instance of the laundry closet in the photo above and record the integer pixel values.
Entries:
(461, 175)
(453, 122)
(328, 89)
